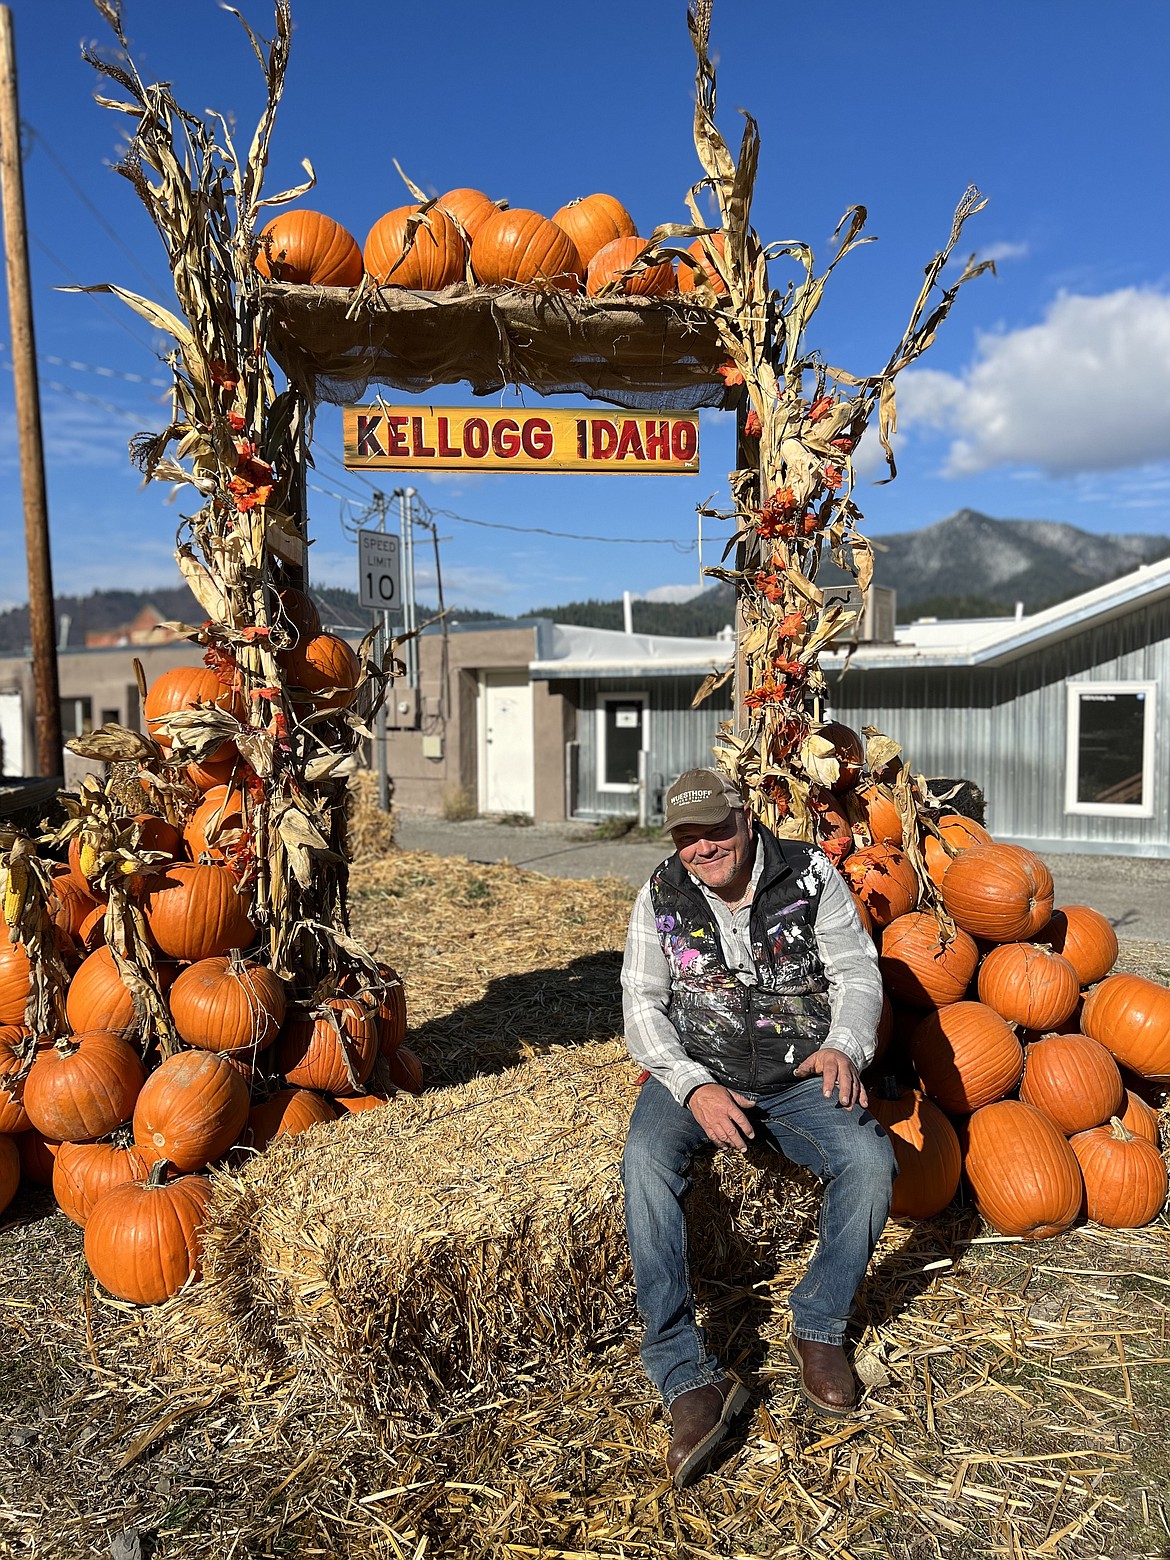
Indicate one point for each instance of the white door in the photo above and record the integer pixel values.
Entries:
(11, 734)
(506, 778)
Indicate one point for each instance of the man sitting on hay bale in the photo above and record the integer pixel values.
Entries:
(752, 997)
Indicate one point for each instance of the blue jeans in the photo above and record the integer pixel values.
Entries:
(846, 1149)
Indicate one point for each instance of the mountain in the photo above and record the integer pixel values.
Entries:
(106, 611)
(702, 617)
(971, 565)
(968, 565)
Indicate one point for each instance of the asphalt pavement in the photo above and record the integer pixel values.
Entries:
(1132, 891)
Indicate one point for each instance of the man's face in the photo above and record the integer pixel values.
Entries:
(716, 853)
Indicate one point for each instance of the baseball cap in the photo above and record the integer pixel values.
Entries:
(700, 796)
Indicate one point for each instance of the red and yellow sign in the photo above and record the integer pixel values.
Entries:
(452, 438)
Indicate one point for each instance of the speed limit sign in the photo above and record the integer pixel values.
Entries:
(379, 577)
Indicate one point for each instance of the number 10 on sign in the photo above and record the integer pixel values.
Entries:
(379, 575)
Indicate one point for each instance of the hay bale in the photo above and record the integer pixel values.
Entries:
(456, 1243)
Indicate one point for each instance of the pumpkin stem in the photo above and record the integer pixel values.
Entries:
(158, 1174)
(1119, 1130)
(888, 1089)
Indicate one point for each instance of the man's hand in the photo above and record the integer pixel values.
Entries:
(717, 1110)
(837, 1072)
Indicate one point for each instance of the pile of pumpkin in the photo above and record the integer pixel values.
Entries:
(591, 242)
(1007, 1053)
(123, 1132)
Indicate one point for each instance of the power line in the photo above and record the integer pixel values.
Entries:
(102, 305)
(93, 400)
(106, 373)
(93, 210)
(567, 536)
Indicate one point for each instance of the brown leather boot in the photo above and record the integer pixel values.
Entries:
(826, 1380)
(699, 1421)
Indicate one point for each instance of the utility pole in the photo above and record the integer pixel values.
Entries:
(410, 616)
(381, 729)
(50, 758)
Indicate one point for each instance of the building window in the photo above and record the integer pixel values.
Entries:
(1109, 769)
(111, 717)
(621, 736)
(76, 718)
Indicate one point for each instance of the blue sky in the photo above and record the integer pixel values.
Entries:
(1047, 394)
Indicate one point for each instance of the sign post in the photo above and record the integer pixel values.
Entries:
(379, 573)
(380, 588)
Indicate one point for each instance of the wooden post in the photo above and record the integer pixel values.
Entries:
(747, 555)
(42, 632)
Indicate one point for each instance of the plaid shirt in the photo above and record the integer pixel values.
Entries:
(847, 953)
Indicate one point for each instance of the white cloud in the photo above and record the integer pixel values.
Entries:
(676, 593)
(1085, 390)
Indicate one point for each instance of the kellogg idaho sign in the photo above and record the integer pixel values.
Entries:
(440, 438)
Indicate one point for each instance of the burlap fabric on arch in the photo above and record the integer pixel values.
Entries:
(637, 352)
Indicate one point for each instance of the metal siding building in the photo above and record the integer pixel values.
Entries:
(676, 738)
(1006, 723)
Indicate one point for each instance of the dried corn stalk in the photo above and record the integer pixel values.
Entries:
(794, 506)
(236, 444)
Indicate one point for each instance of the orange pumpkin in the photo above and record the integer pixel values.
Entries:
(1139, 1118)
(882, 818)
(310, 249)
(13, 1116)
(227, 1004)
(522, 248)
(1073, 1080)
(70, 902)
(333, 1050)
(966, 1056)
(287, 1112)
(849, 752)
(611, 263)
(591, 222)
(405, 1070)
(15, 979)
(1022, 1172)
(687, 278)
(831, 827)
(390, 1015)
(1085, 938)
(1130, 1016)
(353, 1104)
(191, 1109)
(216, 823)
(9, 1171)
(182, 689)
(296, 612)
(98, 998)
(91, 934)
(1028, 984)
(926, 1148)
(1125, 1176)
(142, 1240)
(80, 1089)
(322, 673)
(470, 208)
(998, 892)
(225, 767)
(882, 877)
(198, 911)
(38, 1155)
(83, 1172)
(959, 833)
(920, 966)
(434, 260)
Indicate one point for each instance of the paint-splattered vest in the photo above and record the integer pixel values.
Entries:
(749, 1037)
